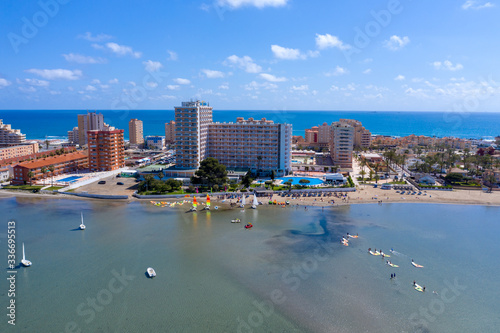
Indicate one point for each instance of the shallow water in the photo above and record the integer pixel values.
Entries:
(287, 274)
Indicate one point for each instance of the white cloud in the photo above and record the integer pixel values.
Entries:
(95, 81)
(122, 50)
(396, 43)
(172, 86)
(334, 88)
(211, 74)
(57, 74)
(272, 78)
(152, 84)
(471, 4)
(447, 65)
(172, 55)
(113, 81)
(90, 88)
(36, 82)
(367, 71)
(338, 71)
(246, 63)
(99, 38)
(132, 83)
(256, 86)
(81, 59)
(286, 53)
(54, 92)
(29, 89)
(327, 41)
(4, 83)
(303, 87)
(181, 81)
(254, 3)
(152, 66)
(224, 86)
(399, 78)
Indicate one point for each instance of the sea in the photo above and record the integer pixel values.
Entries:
(41, 124)
(289, 273)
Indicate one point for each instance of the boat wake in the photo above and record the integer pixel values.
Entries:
(399, 254)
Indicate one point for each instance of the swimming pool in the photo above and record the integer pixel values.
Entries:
(295, 180)
(71, 179)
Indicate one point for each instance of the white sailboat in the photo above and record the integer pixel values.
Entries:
(82, 226)
(25, 262)
(255, 203)
(243, 202)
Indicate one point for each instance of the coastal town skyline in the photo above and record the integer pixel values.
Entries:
(377, 58)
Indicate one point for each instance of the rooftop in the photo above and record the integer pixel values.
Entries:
(52, 160)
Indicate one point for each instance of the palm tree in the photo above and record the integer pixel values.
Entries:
(259, 159)
(43, 170)
(160, 175)
(362, 173)
(30, 176)
(47, 143)
(51, 169)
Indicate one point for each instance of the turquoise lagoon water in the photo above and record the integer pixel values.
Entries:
(287, 274)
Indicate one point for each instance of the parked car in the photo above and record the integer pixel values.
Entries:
(119, 183)
(102, 182)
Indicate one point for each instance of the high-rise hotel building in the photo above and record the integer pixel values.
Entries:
(135, 132)
(341, 144)
(252, 144)
(191, 133)
(170, 132)
(246, 144)
(106, 149)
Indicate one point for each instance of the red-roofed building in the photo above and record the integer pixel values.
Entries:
(66, 163)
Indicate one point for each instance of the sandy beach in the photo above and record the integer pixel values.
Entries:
(363, 194)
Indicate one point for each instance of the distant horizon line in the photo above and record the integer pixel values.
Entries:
(258, 110)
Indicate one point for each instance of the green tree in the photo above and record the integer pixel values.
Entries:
(362, 173)
(289, 184)
(247, 179)
(377, 177)
(454, 178)
(44, 171)
(273, 175)
(160, 175)
(210, 172)
(52, 169)
(30, 176)
(304, 181)
(47, 144)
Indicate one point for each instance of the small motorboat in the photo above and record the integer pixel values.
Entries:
(151, 272)
(235, 221)
(216, 207)
(248, 225)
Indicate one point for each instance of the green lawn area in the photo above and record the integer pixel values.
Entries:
(23, 187)
(54, 188)
(398, 182)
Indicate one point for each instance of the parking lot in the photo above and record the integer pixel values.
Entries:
(111, 187)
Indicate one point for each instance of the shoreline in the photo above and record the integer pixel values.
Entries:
(363, 196)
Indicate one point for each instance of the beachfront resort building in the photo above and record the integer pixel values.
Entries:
(318, 136)
(191, 133)
(362, 136)
(170, 132)
(10, 137)
(341, 144)
(135, 132)
(245, 144)
(252, 144)
(40, 168)
(18, 151)
(155, 142)
(106, 150)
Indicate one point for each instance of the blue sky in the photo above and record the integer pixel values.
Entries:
(251, 54)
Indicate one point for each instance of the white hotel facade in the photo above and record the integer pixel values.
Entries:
(240, 146)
